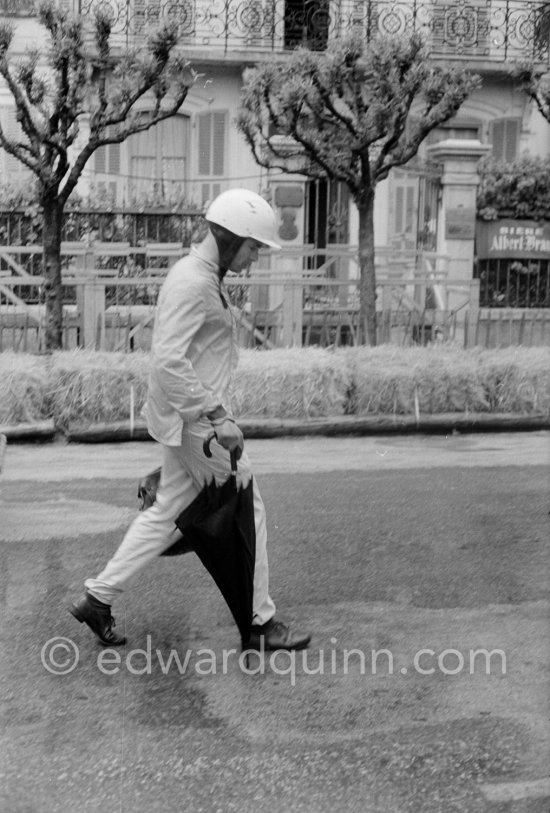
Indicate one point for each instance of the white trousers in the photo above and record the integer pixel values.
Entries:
(185, 469)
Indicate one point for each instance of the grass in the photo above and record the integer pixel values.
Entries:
(86, 387)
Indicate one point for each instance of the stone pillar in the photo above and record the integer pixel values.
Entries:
(457, 215)
(90, 303)
(288, 200)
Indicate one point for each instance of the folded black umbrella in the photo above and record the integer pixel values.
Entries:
(219, 526)
(147, 494)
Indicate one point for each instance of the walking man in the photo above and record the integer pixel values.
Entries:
(194, 354)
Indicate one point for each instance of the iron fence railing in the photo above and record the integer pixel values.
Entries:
(494, 30)
(118, 314)
(514, 283)
(110, 292)
(23, 227)
(504, 283)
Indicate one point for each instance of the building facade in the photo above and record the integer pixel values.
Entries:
(199, 152)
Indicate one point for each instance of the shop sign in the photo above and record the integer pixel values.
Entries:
(460, 223)
(524, 239)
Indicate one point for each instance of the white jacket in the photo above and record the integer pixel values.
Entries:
(194, 350)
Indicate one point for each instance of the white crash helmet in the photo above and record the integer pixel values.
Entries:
(245, 214)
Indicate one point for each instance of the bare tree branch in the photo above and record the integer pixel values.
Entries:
(349, 111)
(537, 86)
(85, 93)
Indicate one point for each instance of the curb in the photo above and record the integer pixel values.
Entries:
(3, 442)
(265, 428)
(524, 797)
(43, 430)
(404, 424)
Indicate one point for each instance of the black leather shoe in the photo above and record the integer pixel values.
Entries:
(97, 616)
(276, 635)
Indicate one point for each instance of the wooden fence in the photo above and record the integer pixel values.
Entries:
(300, 297)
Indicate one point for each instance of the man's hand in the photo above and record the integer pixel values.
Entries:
(229, 435)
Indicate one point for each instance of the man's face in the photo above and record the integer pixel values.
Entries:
(246, 255)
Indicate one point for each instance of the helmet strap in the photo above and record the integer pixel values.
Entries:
(228, 245)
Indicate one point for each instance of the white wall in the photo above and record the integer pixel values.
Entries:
(28, 33)
(538, 131)
(219, 89)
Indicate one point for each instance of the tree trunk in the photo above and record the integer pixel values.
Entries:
(53, 293)
(367, 289)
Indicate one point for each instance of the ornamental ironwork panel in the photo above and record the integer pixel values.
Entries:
(494, 30)
(17, 8)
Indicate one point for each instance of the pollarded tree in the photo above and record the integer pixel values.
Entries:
(533, 74)
(537, 86)
(350, 114)
(76, 96)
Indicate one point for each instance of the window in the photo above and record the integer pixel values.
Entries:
(212, 129)
(12, 170)
(307, 23)
(107, 170)
(157, 157)
(504, 136)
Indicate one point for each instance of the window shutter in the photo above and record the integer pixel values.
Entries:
(505, 134)
(14, 133)
(410, 200)
(399, 215)
(218, 143)
(100, 161)
(172, 141)
(107, 169)
(13, 169)
(114, 159)
(403, 233)
(405, 198)
(205, 138)
(107, 159)
(212, 129)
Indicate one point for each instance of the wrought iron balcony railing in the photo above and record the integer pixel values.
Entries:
(481, 30)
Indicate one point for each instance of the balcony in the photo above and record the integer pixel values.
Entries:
(485, 33)
(17, 8)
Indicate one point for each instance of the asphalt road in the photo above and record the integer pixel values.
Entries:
(421, 566)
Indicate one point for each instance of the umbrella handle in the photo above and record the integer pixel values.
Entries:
(208, 452)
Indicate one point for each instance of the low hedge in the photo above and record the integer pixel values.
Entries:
(86, 387)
